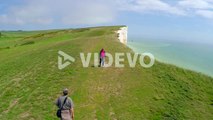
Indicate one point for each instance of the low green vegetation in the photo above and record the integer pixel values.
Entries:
(30, 81)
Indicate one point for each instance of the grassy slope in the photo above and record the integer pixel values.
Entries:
(30, 81)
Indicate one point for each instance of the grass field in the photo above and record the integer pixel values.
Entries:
(30, 81)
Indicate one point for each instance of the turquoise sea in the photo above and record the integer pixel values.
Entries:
(194, 56)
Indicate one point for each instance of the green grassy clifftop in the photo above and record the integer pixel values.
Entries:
(30, 81)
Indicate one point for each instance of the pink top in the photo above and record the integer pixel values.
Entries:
(103, 53)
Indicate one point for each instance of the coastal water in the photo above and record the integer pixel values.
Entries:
(194, 56)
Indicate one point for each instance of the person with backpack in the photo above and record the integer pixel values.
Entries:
(65, 105)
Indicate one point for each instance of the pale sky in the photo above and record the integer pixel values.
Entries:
(190, 20)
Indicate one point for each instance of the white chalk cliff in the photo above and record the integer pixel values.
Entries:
(122, 35)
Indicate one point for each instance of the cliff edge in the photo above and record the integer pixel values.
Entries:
(122, 35)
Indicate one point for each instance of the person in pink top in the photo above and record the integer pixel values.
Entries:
(102, 57)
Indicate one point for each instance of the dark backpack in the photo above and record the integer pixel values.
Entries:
(58, 113)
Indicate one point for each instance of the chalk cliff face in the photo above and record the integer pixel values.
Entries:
(122, 35)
